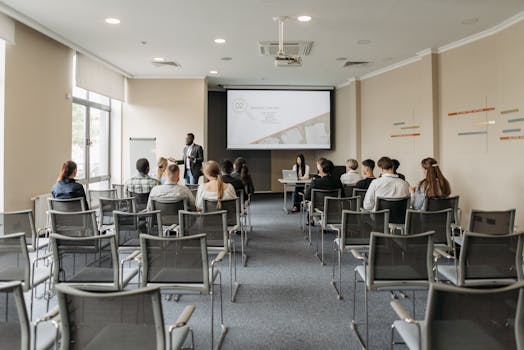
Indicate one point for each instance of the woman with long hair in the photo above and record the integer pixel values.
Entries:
(214, 188)
(161, 170)
(302, 171)
(242, 172)
(66, 186)
(434, 184)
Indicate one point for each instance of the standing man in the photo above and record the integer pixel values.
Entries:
(192, 160)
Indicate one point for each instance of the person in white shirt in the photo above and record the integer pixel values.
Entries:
(214, 188)
(388, 185)
(302, 171)
(172, 190)
(352, 176)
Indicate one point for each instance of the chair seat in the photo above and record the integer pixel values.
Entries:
(409, 333)
(181, 275)
(459, 240)
(393, 284)
(358, 244)
(45, 337)
(123, 336)
(11, 273)
(179, 336)
(449, 273)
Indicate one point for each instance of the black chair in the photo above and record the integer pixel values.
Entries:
(361, 193)
(438, 204)
(437, 221)
(95, 195)
(67, 205)
(140, 200)
(397, 210)
(492, 222)
(316, 205)
(169, 212)
(107, 206)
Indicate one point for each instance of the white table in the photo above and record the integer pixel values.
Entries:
(291, 184)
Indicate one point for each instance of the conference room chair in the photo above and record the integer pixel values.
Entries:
(315, 206)
(106, 208)
(140, 200)
(361, 193)
(437, 221)
(169, 212)
(355, 234)
(394, 263)
(486, 260)
(94, 196)
(129, 227)
(397, 211)
(219, 240)
(131, 320)
(234, 222)
(120, 191)
(348, 191)
(465, 319)
(303, 208)
(245, 213)
(16, 329)
(15, 265)
(67, 205)
(180, 264)
(22, 221)
(74, 224)
(493, 222)
(90, 263)
(331, 218)
(438, 204)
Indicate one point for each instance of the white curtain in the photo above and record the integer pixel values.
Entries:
(96, 77)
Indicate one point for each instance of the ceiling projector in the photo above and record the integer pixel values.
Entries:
(288, 61)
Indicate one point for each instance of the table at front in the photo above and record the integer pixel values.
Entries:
(291, 183)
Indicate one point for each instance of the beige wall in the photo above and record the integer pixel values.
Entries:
(37, 115)
(166, 109)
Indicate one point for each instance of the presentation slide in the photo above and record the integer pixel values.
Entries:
(278, 119)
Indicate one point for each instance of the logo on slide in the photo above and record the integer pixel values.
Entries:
(239, 105)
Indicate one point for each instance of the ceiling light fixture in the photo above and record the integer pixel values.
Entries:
(112, 20)
(213, 72)
(304, 18)
(159, 59)
(220, 41)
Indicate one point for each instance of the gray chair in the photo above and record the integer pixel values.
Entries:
(331, 218)
(361, 193)
(394, 263)
(180, 264)
(169, 212)
(67, 205)
(129, 226)
(90, 263)
(95, 195)
(140, 199)
(397, 211)
(486, 260)
(438, 204)
(465, 319)
(214, 225)
(493, 222)
(120, 190)
(315, 207)
(348, 191)
(106, 208)
(118, 320)
(355, 233)
(22, 221)
(16, 330)
(74, 224)
(437, 221)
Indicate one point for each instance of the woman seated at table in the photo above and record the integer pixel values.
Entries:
(214, 188)
(434, 184)
(302, 170)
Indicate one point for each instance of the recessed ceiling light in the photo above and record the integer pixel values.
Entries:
(143, 43)
(112, 20)
(159, 59)
(226, 58)
(213, 72)
(364, 42)
(304, 18)
(220, 41)
(341, 58)
(470, 20)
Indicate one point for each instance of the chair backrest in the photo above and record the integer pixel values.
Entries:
(333, 207)
(348, 190)
(358, 225)
(317, 197)
(19, 221)
(470, 318)
(120, 192)
(169, 209)
(14, 322)
(174, 261)
(108, 205)
(438, 204)
(89, 262)
(95, 195)
(67, 205)
(131, 319)
(129, 226)
(499, 222)
(490, 258)
(231, 206)
(397, 208)
(74, 224)
(361, 193)
(14, 259)
(424, 221)
(140, 199)
(213, 224)
(400, 260)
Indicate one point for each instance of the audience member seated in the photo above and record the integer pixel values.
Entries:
(396, 164)
(302, 171)
(434, 184)
(352, 176)
(226, 167)
(367, 168)
(388, 185)
(161, 170)
(215, 188)
(242, 172)
(172, 190)
(66, 186)
(141, 182)
(326, 181)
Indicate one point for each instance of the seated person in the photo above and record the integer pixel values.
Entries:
(141, 182)
(396, 164)
(352, 176)
(367, 168)
(242, 172)
(226, 168)
(66, 187)
(172, 190)
(388, 185)
(161, 170)
(302, 171)
(326, 181)
(434, 184)
(214, 188)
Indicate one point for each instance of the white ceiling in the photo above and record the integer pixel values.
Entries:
(183, 30)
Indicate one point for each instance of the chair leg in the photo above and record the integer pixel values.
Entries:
(354, 323)
(223, 328)
(338, 289)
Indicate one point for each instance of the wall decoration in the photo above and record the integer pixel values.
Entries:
(516, 120)
(487, 109)
(399, 123)
(508, 111)
(506, 138)
(467, 133)
(406, 135)
(505, 131)
(410, 127)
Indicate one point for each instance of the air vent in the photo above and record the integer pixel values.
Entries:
(166, 63)
(291, 48)
(354, 63)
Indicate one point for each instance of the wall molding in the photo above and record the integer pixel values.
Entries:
(347, 82)
(164, 77)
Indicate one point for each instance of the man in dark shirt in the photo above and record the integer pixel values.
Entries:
(367, 168)
(326, 181)
(226, 167)
(396, 164)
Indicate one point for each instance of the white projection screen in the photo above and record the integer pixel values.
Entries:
(278, 119)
